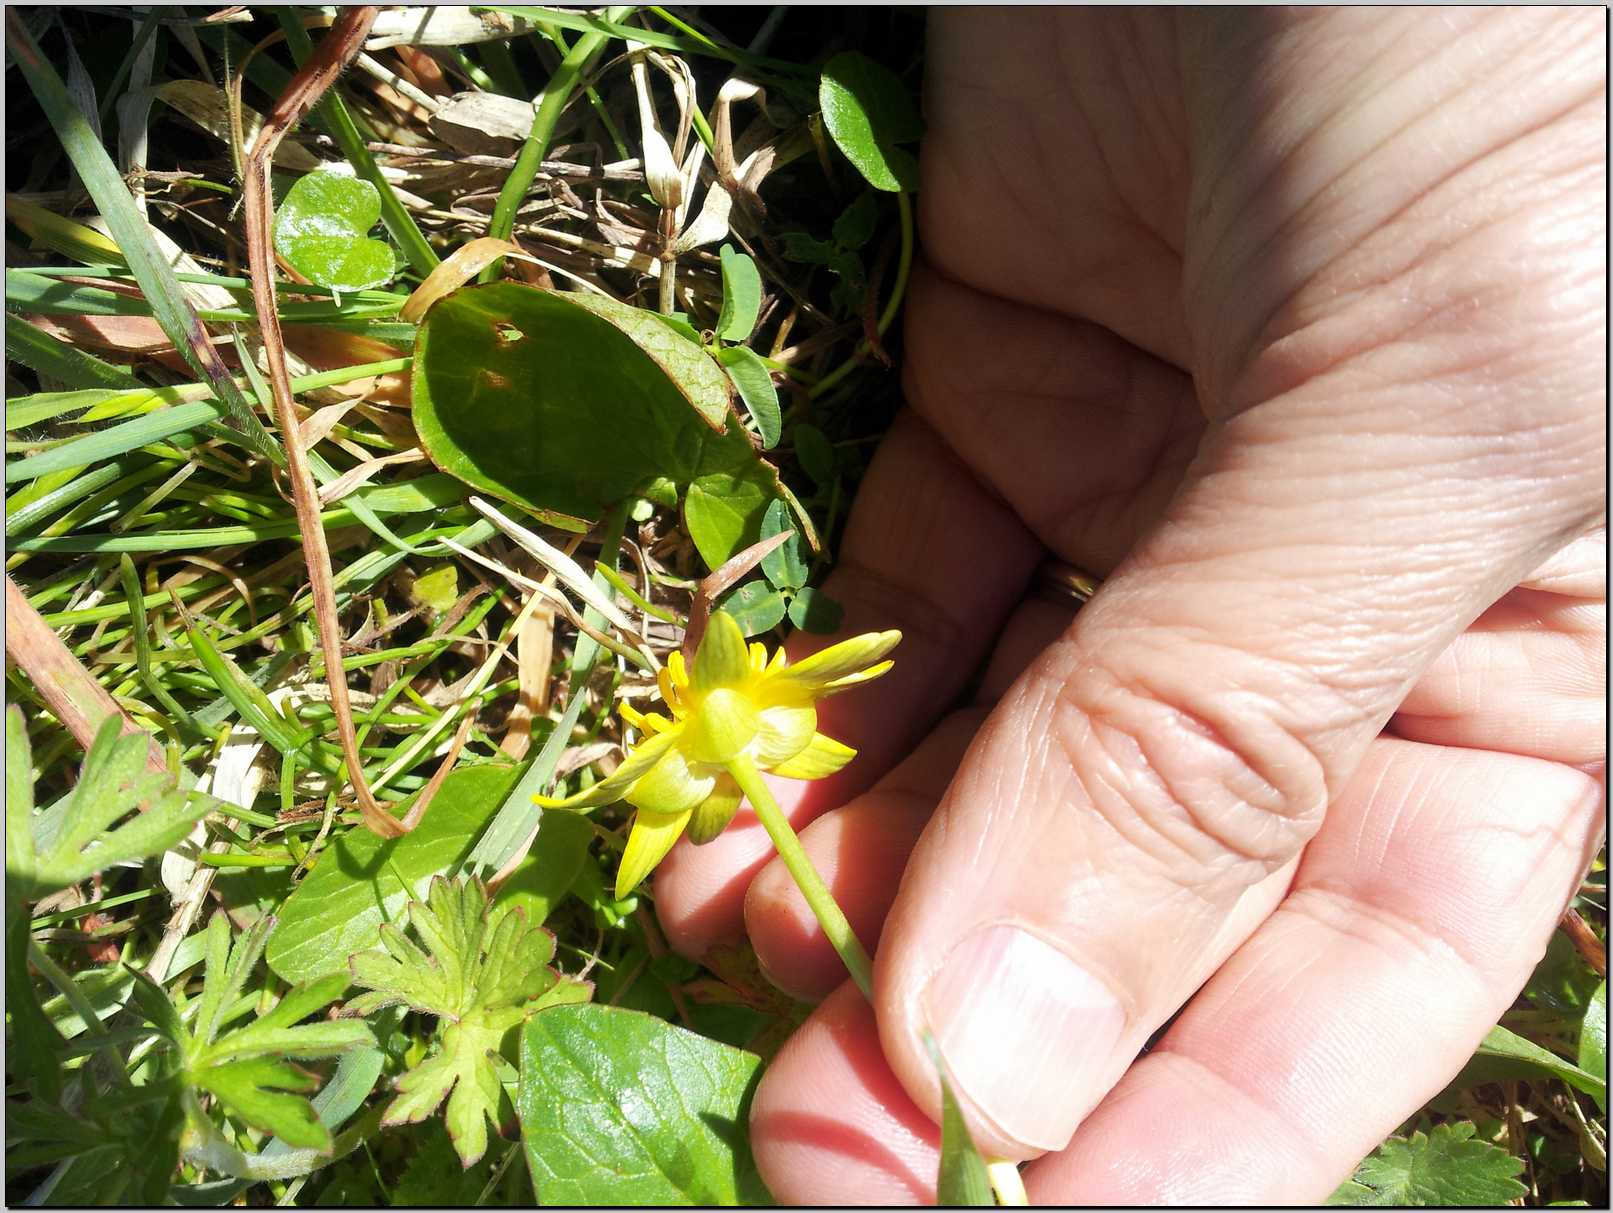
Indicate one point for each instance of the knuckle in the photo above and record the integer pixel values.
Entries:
(1212, 783)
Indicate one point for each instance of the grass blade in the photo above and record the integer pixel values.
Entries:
(101, 178)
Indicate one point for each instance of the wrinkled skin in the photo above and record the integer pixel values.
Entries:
(1292, 326)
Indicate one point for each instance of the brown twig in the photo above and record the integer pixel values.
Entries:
(1590, 947)
(305, 89)
(68, 689)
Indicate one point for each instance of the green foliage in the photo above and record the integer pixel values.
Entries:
(321, 230)
(621, 1108)
(870, 113)
(741, 295)
(812, 610)
(363, 880)
(1445, 1167)
(568, 404)
(247, 1069)
(480, 975)
(80, 835)
(961, 1178)
(756, 606)
(1504, 1054)
(1593, 1043)
(754, 382)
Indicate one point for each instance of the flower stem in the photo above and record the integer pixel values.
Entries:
(804, 874)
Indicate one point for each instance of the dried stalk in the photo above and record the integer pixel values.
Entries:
(306, 88)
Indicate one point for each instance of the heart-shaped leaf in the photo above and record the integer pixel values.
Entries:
(322, 228)
(756, 607)
(869, 111)
(785, 566)
(567, 404)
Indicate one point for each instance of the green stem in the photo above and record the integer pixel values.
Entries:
(904, 266)
(554, 99)
(806, 877)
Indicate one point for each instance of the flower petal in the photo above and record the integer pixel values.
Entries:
(822, 757)
(784, 733)
(829, 669)
(648, 842)
(670, 786)
(722, 660)
(614, 786)
(712, 815)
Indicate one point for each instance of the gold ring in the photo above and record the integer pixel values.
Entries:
(1065, 582)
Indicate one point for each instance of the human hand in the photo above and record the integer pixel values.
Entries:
(1292, 325)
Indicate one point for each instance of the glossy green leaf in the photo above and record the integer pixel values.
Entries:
(1445, 1167)
(1505, 1054)
(741, 295)
(362, 881)
(814, 611)
(756, 607)
(550, 867)
(723, 509)
(321, 230)
(567, 404)
(755, 384)
(785, 566)
(622, 1108)
(870, 112)
(1593, 1042)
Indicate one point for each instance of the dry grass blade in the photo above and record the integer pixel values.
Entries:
(464, 264)
(305, 89)
(68, 689)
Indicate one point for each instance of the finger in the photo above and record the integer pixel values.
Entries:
(861, 848)
(832, 1125)
(1085, 436)
(1530, 676)
(926, 551)
(1416, 916)
(1183, 740)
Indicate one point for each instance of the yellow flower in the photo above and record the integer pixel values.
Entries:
(734, 706)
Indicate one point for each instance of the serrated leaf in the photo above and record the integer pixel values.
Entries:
(1444, 1167)
(754, 383)
(1593, 1042)
(80, 835)
(268, 1095)
(480, 974)
(756, 607)
(621, 1108)
(741, 295)
(363, 881)
(320, 229)
(812, 610)
(869, 112)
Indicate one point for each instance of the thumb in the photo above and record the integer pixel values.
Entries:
(1182, 740)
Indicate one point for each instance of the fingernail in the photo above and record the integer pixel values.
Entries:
(1025, 1032)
